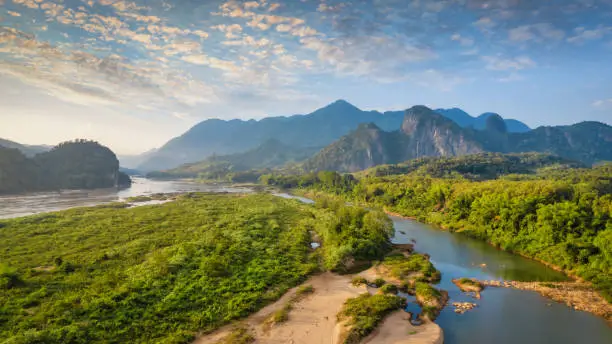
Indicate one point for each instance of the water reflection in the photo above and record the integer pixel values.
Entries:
(34, 203)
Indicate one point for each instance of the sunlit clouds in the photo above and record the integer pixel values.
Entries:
(176, 62)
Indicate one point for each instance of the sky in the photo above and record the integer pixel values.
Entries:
(134, 74)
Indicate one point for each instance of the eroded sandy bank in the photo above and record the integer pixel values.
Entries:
(313, 319)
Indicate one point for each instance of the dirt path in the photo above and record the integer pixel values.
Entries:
(313, 319)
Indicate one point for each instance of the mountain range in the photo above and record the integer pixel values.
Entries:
(28, 150)
(425, 132)
(317, 129)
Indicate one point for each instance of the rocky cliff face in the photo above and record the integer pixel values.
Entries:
(365, 147)
(430, 134)
(423, 133)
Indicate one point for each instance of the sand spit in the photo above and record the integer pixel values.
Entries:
(578, 295)
(312, 319)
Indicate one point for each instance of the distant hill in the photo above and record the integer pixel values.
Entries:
(317, 129)
(481, 166)
(270, 154)
(466, 121)
(77, 164)
(425, 133)
(28, 150)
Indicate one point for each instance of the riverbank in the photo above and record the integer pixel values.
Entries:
(577, 295)
(313, 319)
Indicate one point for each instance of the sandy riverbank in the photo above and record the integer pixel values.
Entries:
(313, 319)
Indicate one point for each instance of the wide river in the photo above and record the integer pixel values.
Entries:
(503, 315)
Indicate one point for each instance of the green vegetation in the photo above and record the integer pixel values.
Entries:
(78, 164)
(379, 282)
(303, 291)
(558, 215)
(359, 281)
(162, 273)
(415, 267)
(365, 312)
(389, 289)
(239, 335)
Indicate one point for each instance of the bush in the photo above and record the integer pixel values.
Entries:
(9, 277)
(359, 281)
(366, 311)
(389, 289)
(379, 282)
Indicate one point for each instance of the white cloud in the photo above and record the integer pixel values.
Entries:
(464, 41)
(535, 32)
(602, 103)
(511, 78)
(500, 63)
(582, 34)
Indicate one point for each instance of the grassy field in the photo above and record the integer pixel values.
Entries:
(160, 274)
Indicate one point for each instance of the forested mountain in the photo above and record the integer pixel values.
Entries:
(77, 164)
(270, 154)
(316, 129)
(28, 150)
(466, 121)
(424, 133)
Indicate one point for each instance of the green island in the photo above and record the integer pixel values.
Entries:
(166, 273)
(530, 204)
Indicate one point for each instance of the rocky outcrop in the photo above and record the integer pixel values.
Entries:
(431, 134)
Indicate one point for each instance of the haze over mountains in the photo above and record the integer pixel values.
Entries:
(317, 129)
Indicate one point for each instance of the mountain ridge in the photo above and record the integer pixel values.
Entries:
(426, 133)
(316, 129)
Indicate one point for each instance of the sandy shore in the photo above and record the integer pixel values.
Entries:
(313, 319)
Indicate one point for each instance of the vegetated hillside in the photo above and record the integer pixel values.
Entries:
(423, 133)
(28, 150)
(78, 164)
(317, 129)
(481, 166)
(426, 133)
(271, 154)
(589, 142)
(163, 273)
(365, 147)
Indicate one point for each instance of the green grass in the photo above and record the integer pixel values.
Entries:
(162, 273)
(365, 312)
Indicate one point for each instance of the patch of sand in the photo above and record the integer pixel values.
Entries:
(397, 329)
(313, 319)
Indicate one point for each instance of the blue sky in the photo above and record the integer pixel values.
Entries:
(133, 74)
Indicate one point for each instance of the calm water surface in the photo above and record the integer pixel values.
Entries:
(503, 315)
(34, 203)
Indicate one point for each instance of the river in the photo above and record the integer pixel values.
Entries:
(503, 315)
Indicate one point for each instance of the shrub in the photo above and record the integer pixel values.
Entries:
(365, 312)
(389, 289)
(359, 281)
(379, 282)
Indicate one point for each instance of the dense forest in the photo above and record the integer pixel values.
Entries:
(160, 274)
(78, 164)
(533, 205)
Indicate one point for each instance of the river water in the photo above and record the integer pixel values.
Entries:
(503, 315)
